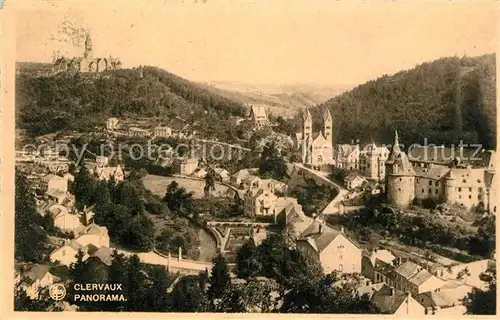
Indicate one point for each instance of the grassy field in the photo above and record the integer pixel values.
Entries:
(158, 185)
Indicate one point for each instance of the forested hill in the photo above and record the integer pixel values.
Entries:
(445, 101)
(65, 101)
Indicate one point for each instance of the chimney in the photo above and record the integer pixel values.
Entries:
(341, 229)
(320, 228)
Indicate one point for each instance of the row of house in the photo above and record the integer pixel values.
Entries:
(428, 291)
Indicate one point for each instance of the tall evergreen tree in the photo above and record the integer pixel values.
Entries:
(220, 279)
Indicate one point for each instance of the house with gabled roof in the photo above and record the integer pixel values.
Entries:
(331, 247)
(410, 277)
(396, 302)
(34, 278)
(259, 116)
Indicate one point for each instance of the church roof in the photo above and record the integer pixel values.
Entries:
(306, 116)
(327, 115)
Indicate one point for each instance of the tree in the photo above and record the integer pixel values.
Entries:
(157, 298)
(187, 296)
(323, 295)
(136, 290)
(209, 182)
(247, 262)
(219, 278)
(84, 188)
(271, 163)
(178, 200)
(483, 301)
(22, 302)
(29, 237)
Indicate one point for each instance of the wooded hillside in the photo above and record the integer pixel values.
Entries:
(66, 101)
(445, 101)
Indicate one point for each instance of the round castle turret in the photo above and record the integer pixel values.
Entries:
(400, 178)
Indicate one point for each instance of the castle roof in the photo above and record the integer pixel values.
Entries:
(445, 156)
(434, 171)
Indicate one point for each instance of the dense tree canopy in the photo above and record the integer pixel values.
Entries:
(445, 101)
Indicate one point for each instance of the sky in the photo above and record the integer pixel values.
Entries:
(264, 41)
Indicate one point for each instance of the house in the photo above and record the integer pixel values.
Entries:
(108, 173)
(35, 278)
(187, 165)
(138, 132)
(222, 174)
(353, 180)
(200, 173)
(238, 178)
(258, 202)
(101, 161)
(66, 255)
(410, 277)
(63, 220)
(372, 161)
(446, 300)
(52, 182)
(289, 212)
(332, 248)
(469, 272)
(378, 265)
(95, 235)
(162, 132)
(54, 166)
(112, 124)
(104, 254)
(396, 302)
(347, 156)
(57, 195)
(259, 117)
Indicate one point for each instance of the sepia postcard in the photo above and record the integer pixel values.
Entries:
(248, 157)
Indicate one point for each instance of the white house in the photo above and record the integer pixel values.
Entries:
(222, 174)
(95, 235)
(66, 255)
(353, 181)
(53, 182)
(332, 248)
(64, 220)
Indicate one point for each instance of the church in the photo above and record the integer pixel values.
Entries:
(316, 149)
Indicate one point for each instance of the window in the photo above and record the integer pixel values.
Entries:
(470, 189)
(470, 197)
(479, 197)
(430, 191)
(480, 189)
(400, 179)
(436, 191)
(417, 180)
(437, 183)
(430, 182)
(341, 257)
(423, 191)
(459, 189)
(459, 196)
(399, 189)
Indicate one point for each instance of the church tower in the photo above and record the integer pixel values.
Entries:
(306, 136)
(88, 47)
(328, 126)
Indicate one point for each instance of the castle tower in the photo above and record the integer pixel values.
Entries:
(400, 181)
(88, 47)
(328, 125)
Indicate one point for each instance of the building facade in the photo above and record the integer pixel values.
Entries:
(316, 149)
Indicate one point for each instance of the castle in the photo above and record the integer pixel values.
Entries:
(87, 63)
(316, 149)
(468, 185)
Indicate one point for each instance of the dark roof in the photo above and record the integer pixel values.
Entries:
(387, 302)
(445, 156)
(319, 241)
(37, 271)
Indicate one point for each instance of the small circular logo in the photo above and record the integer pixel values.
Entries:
(57, 291)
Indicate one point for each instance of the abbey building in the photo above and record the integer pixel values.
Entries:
(316, 149)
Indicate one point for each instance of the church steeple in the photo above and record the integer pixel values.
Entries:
(327, 125)
(88, 46)
(307, 124)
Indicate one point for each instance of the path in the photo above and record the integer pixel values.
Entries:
(207, 246)
(332, 207)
